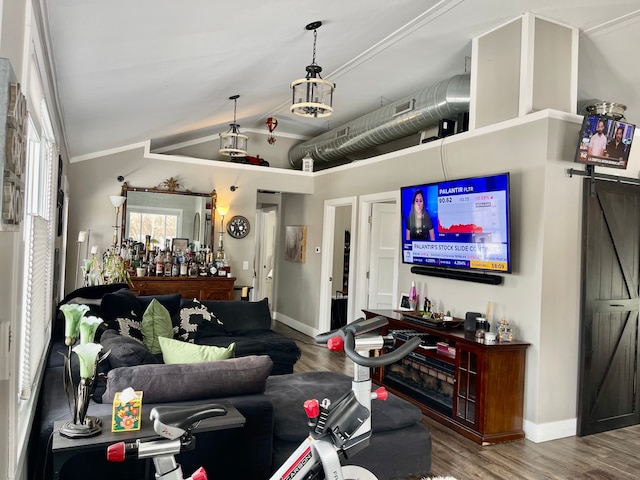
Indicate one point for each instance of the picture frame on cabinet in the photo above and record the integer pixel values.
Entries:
(180, 245)
(403, 304)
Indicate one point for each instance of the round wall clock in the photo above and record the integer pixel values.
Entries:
(238, 226)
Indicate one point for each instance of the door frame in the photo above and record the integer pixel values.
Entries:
(326, 269)
(364, 246)
(262, 213)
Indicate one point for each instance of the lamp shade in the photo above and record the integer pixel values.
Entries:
(312, 97)
(117, 200)
(233, 143)
(222, 210)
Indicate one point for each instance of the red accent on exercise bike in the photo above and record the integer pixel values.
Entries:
(115, 452)
(381, 393)
(199, 474)
(335, 344)
(312, 408)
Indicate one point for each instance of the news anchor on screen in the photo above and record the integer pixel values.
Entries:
(419, 223)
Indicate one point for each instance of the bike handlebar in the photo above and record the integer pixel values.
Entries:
(349, 334)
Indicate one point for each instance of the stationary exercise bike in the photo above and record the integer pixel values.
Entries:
(337, 430)
(175, 424)
(342, 428)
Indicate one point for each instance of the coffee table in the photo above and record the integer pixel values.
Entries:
(63, 448)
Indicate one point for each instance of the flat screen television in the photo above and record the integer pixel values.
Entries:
(604, 141)
(465, 225)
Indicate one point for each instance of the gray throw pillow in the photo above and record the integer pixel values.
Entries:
(192, 381)
(125, 351)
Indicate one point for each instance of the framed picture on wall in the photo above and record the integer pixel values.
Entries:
(295, 244)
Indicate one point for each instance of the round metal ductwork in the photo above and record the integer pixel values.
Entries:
(402, 118)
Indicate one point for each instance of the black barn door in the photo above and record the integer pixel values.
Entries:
(608, 384)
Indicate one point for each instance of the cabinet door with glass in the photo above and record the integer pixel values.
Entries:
(467, 409)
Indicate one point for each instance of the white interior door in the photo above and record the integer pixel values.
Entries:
(385, 228)
(384, 239)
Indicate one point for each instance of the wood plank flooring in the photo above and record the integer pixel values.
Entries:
(613, 455)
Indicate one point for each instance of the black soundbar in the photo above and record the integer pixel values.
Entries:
(457, 275)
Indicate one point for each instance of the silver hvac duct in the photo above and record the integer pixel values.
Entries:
(399, 119)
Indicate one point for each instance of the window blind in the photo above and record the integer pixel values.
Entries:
(39, 237)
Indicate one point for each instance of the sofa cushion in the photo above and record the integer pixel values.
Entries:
(240, 317)
(121, 310)
(156, 322)
(192, 381)
(289, 393)
(278, 347)
(171, 302)
(195, 320)
(177, 351)
(125, 351)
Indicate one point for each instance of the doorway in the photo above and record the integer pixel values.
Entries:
(264, 266)
(339, 217)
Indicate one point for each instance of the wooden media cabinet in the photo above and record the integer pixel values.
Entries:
(473, 387)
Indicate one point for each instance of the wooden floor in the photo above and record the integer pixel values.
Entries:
(605, 456)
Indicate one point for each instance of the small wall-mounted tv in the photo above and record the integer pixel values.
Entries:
(604, 141)
(458, 224)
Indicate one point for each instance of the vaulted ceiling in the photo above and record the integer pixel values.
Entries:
(129, 71)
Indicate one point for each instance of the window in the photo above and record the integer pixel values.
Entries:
(38, 259)
(160, 224)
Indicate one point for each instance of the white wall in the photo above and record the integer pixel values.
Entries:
(93, 180)
(541, 297)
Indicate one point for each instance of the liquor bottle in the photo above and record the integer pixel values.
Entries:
(168, 264)
(184, 265)
(175, 267)
(159, 264)
(151, 267)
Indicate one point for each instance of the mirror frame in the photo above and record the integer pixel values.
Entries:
(170, 191)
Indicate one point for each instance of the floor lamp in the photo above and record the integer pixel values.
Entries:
(82, 238)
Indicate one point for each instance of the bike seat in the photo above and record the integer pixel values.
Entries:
(183, 417)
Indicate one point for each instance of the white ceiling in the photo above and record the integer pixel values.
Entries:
(128, 71)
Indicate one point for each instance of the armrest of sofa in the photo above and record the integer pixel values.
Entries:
(239, 317)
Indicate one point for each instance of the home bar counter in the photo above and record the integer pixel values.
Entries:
(202, 288)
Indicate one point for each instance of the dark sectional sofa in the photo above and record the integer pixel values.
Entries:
(272, 404)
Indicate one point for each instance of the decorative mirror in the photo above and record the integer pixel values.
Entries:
(168, 211)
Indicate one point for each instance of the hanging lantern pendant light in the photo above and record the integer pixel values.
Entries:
(312, 96)
(233, 143)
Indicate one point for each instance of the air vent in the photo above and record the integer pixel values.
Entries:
(405, 107)
(342, 132)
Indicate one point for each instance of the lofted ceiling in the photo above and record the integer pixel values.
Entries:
(161, 70)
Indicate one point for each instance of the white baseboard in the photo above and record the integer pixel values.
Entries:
(544, 432)
(290, 322)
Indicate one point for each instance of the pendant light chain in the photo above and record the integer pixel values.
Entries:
(315, 37)
(235, 106)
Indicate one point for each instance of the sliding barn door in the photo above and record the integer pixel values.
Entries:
(608, 384)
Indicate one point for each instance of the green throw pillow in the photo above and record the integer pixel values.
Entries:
(177, 351)
(156, 323)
